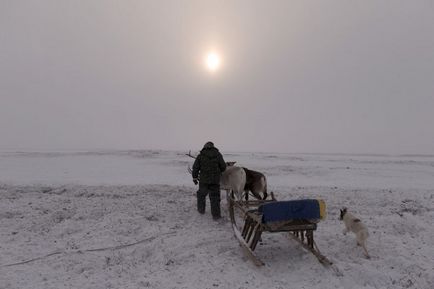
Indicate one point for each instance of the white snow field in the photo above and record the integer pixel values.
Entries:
(127, 219)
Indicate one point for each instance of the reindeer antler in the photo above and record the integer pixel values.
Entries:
(190, 171)
(190, 155)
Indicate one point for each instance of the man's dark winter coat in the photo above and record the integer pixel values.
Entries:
(210, 164)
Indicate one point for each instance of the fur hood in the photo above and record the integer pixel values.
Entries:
(208, 145)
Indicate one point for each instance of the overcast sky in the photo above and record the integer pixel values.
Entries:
(296, 76)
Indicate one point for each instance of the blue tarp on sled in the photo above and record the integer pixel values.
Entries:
(309, 209)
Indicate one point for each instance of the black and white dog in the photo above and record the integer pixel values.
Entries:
(356, 226)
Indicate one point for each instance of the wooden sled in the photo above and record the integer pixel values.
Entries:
(257, 219)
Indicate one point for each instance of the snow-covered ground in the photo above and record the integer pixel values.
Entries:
(127, 219)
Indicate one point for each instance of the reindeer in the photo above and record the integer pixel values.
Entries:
(233, 179)
(255, 183)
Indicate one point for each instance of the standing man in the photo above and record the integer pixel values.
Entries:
(210, 165)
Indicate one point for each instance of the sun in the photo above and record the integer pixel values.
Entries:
(212, 61)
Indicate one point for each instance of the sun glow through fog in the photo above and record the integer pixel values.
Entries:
(212, 61)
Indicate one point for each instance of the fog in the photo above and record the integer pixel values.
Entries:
(296, 76)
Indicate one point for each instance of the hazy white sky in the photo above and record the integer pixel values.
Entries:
(296, 76)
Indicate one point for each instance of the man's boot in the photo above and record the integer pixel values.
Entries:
(215, 205)
(201, 202)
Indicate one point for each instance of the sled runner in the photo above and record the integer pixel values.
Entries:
(299, 218)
